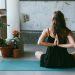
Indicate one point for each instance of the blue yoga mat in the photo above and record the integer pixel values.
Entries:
(26, 65)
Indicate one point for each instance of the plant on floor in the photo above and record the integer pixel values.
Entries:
(16, 39)
(4, 48)
(1, 24)
(17, 52)
(16, 33)
(3, 42)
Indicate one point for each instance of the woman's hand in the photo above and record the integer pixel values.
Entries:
(56, 41)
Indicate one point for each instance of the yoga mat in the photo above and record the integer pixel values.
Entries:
(26, 65)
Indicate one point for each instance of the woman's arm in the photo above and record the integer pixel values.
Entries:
(70, 44)
(42, 38)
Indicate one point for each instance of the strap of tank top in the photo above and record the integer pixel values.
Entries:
(48, 31)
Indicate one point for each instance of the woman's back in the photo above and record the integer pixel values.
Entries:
(56, 54)
(57, 57)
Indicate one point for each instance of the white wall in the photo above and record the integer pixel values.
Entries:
(2, 4)
(40, 13)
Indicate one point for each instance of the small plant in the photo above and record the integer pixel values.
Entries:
(15, 43)
(1, 24)
(6, 50)
(15, 40)
(3, 42)
(16, 33)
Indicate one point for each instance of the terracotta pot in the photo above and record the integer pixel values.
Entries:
(17, 53)
(6, 51)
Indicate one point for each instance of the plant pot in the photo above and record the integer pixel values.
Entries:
(6, 51)
(17, 53)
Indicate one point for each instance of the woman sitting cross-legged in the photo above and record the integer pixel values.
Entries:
(59, 38)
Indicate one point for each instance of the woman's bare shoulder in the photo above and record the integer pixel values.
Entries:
(46, 31)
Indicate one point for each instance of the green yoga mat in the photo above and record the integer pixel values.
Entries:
(26, 65)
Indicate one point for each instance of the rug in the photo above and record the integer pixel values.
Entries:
(26, 65)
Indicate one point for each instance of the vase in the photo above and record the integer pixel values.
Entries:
(7, 51)
(17, 53)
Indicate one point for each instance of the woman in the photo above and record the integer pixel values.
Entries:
(57, 36)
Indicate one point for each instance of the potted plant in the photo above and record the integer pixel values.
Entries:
(2, 42)
(4, 47)
(17, 52)
(1, 26)
(6, 50)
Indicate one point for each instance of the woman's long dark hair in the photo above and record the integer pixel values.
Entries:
(60, 26)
